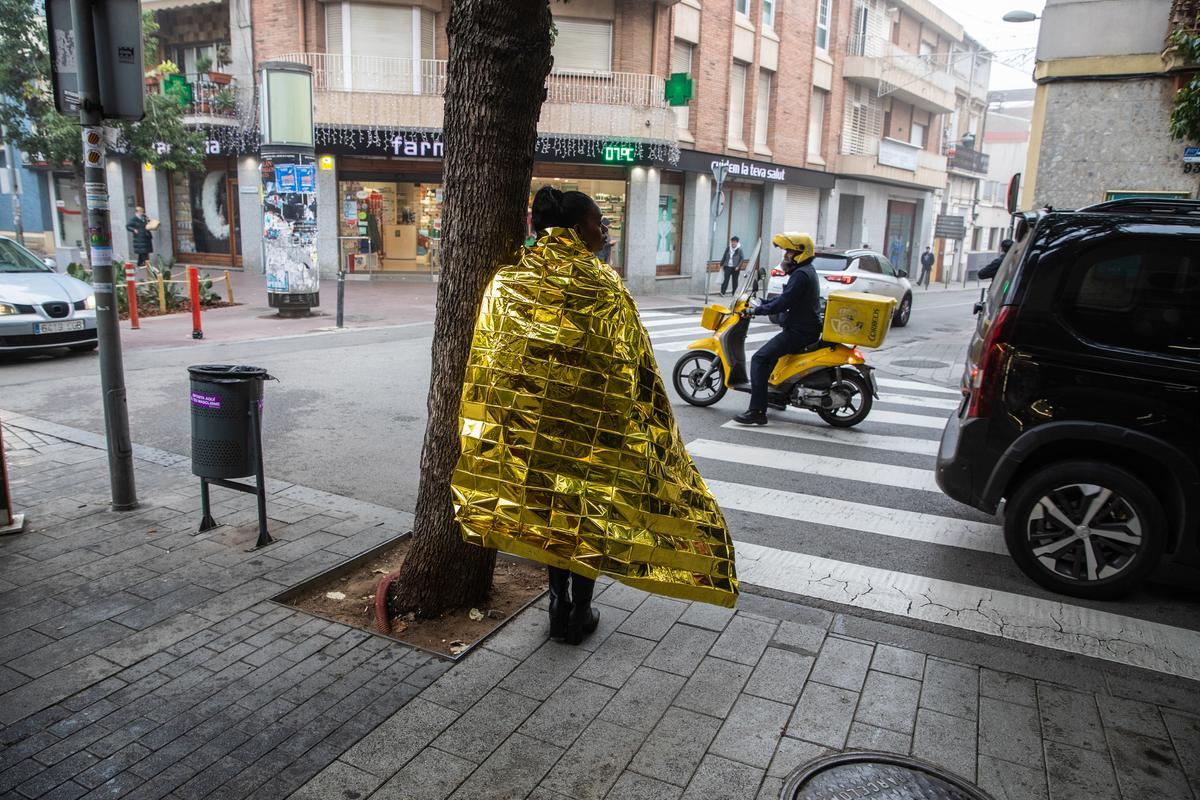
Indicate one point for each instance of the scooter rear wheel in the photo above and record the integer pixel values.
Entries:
(859, 405)
(688, 377)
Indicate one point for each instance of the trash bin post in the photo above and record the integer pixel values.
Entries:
(264, 538)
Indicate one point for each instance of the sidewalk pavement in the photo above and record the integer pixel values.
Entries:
(142, 661)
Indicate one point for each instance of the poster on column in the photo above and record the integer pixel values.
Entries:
(289, 225)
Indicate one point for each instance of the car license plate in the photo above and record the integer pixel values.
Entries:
(58, 327)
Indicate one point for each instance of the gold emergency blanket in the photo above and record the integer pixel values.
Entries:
(570, 453)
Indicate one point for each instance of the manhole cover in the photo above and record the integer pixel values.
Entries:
(921, 363)
(876, 776)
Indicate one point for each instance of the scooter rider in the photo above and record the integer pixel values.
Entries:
(801, 323)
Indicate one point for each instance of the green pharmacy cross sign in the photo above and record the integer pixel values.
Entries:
(678, 89)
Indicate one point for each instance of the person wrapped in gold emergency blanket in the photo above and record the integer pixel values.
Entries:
(570, 452)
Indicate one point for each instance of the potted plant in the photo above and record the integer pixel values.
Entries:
(216, 76)
(224, 102)
(203, 64)
(163, 70)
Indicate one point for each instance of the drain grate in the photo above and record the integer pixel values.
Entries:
(921, 363)
(876, 776)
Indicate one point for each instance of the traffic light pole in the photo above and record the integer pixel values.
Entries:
(100, 255)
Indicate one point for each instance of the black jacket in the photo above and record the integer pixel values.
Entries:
(989, 271)
(927, 260)
(143, 242)
(798, 301)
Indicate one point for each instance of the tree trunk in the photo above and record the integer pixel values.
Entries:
(499, 60)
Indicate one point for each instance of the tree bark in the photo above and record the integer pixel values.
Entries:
(499, 60)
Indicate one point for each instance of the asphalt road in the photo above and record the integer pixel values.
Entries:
(348, 416)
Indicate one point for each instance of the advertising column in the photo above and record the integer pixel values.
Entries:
(289, 183)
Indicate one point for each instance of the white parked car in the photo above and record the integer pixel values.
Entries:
(856, 271)
(39, 308)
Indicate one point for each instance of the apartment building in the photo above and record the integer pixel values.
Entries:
(966, 163)
(829, 116)
(1006, 142)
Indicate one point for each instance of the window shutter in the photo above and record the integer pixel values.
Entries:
(381, 31)
(800, 212)
(583, 45)
(816, 123)
(428, 48)
(681, 61)
(762, 107)
(333, 28)
(737, 102)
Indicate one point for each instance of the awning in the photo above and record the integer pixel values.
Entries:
(170, 5)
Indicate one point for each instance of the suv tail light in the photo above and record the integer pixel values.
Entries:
(983, 375)
(777, 273)
(846, 279)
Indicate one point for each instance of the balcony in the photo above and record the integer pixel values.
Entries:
(967, 160)
(893, 161)
(922, 81)
(408, 93)
(206, 101)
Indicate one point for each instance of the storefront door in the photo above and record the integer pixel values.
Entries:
(898, 239)
(204, 211)
(742, 218)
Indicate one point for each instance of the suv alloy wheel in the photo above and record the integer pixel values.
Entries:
(1086, 529)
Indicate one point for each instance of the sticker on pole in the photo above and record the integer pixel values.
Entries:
(101, 256)
(93, 147)
(202, 400)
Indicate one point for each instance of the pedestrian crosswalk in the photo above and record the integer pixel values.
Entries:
(855, 517)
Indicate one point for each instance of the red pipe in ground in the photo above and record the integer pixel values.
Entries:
(194, 294)
(131, 294)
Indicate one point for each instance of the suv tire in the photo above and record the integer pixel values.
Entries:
(1072, 559)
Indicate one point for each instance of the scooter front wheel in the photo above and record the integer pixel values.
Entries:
(690, 382)
(858, 403)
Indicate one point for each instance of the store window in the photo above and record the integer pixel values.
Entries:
(68, 211)
(742, 218)
(737, 103)
(205, 214)
(670, 224)
(583, 45)
(610, 197)
(390, 226)
(823, 15)
(762, 108)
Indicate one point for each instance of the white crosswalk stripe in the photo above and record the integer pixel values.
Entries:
(920, 402)
(882, 416)
(899, 383)
(825, 466)
(820, 432)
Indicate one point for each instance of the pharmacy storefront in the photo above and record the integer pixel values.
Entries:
(390, 200)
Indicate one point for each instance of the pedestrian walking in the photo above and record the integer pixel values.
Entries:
(141, 227)
(927, 259)
(731, 264)
(570, 455)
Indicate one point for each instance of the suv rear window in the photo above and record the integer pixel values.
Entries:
(1002, 282)
(824, 262)
(1137, 294)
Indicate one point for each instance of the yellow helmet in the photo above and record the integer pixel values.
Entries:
(800, 243)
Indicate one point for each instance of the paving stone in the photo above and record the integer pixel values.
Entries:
(1007, 686)
(517, 766)
(614, 661)
(108, 769)
(1070, 717)
(18, 643)
(1185, 735)
(632, 786)
(898, 661)
(611, 620)
(947, 741)
(339, 779)
(1080, 774)
(869, 737)
(707, 616)
(675, 747)
(540, 674)
(653, 617)
(791, 753)
(592, 764)
(470, 679)
(621, 596)
(431, 775)
(1131, 715)
(643, 699)
(721, 779)
(1007, 781)
(950, 688)
(713, 687)
(682, 649)
(158, 637)
(399, 738)
(889, 701)
(1009, 732)
(64, 770)
(752, 731)
(567, 712)
(65, 791)
(1146, 767)
(780, 675)
(520, 636)
(480, 730)
(842, 663)
(52, 687)
(823, 715)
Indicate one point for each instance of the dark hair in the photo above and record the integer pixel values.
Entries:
(734, 239)
(556, 209)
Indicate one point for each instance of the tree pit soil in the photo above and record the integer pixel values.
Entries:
(514, 584)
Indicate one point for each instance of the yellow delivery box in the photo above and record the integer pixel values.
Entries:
(857, 318)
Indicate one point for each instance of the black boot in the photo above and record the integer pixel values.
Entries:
(560, 605)
(584, 619)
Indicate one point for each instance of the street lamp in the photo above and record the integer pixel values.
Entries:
(289, 188)
(1020, 16)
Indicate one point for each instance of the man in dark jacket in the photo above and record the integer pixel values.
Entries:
(989, 271)
(927, 259)
(731, 264)
(143, 242)
(801, 324)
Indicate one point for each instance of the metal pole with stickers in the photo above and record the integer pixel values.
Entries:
(96, 58)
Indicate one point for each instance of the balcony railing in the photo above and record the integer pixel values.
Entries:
(410, 76)
(878, 47)
(967, 160)
(201, 96)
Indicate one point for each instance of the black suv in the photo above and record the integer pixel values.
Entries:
(1081, 398)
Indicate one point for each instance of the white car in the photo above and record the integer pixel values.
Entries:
(856, 271)
(39, 308)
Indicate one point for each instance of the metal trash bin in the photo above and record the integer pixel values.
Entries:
(224, 444)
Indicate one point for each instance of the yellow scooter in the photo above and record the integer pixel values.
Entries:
(830, 378)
